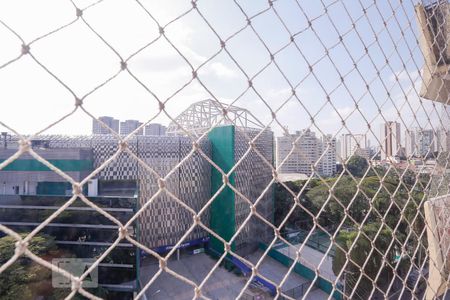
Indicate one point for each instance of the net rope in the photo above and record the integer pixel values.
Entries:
(393, 20)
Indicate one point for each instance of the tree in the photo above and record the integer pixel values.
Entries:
(364, 257)
(284, 201)
(335, 202)
(357, 165)
(26, 279)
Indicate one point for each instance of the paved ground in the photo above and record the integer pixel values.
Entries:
(311, 258)
(222, 283)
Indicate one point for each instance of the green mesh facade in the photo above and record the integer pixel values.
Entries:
(222, 211)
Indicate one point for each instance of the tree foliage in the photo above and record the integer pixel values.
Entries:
(357, 166)
(25, 278)
(380, 204)
(284, 201)
(387, 204)
(363, 257)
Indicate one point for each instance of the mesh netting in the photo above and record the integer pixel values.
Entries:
(305, 157)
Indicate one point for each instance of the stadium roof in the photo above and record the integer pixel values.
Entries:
(202, 115)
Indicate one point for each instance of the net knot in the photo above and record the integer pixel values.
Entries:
(21, 247)
(162, 264)
(198, 292)
(196, 219)
(161, 183)
(123, 145)
(123, 65)
(24, 145)
(76, 189)
(76, 283)
(25, 49)
(78, 102)
(123, 232)
(225, 179)
(227, 247)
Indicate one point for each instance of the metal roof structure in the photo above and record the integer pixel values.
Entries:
(202, 115)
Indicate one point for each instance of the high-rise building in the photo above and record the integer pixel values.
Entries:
(390, 139)
(308, 150)
(421, 142)
(327, 152)
(442, 139)
(112, 123)
(155, 129)
(353, 144)
(129, 126)
(410, 143)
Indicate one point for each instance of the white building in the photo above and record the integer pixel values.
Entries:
(327, 166)
(129, 126)
(112, 123)
(442, 140)
(155, 129)
(308, 150)
(420, 142)
(353, 144)
(390, 139)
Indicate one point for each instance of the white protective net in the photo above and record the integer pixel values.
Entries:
(305, 156)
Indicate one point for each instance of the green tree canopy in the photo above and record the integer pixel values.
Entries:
(357, 165)
(364, 257)
(364, 194)
(24, 278)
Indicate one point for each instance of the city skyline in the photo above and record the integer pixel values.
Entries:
(163, 69)
(126, 127)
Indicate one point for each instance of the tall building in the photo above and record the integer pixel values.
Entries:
(390, 139)
(442, 139)
(129, 126)
(155, 129)
(353, 144)
(308, 149)
(112, 123)
(410, 143)
(327, 165)
(420, 142)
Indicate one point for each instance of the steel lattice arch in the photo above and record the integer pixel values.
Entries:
(202, 115)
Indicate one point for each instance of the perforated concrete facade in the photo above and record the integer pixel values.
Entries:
(252, 176)
(165, 221)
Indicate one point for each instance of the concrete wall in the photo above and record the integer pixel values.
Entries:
(23, 175)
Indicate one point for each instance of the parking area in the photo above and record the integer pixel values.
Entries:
(222, 284)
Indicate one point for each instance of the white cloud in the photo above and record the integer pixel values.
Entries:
(30, 98)
(221, 70)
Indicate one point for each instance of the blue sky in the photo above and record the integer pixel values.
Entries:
(31, 99)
